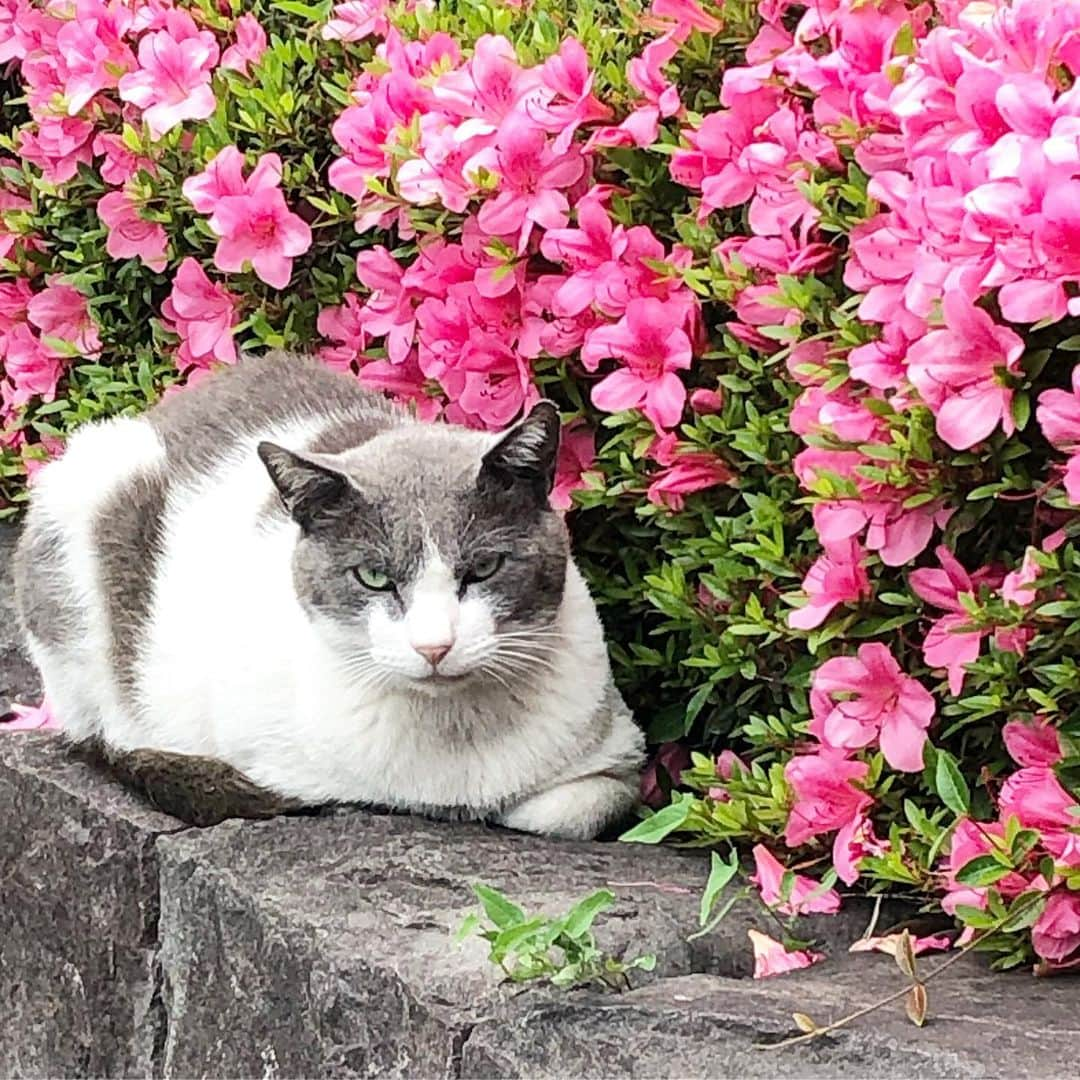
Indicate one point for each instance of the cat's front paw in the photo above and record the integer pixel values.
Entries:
(576, 810)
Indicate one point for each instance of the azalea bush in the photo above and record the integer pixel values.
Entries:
(804, 281)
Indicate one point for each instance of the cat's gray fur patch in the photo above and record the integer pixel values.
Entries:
(128, 536)
(48, 610)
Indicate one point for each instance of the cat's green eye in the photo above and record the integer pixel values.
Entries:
(484, 568)
(372, 579)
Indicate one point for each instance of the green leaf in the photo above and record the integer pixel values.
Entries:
(720, 873)
(581, 915)
(951, 786)
(655, 827)
(981, 871)
(498, 908)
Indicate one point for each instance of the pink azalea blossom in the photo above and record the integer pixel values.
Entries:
(857, 700)
(1058, 414)
(969, 840)
(356, 20)
(1056, 933)
(203, 314)
(251, 217)
(654, 348)
(958, 373)
(890, 943)
(771, 958)
(686, 471)
(250, 45)
(803, 896)
(854, 842)
(60, 312)
(172, 83)
(120, 163)
(577, 452)
(1035, 797)
(949, 643)
(825, 796)
(30, 718)
(58, 147)
(33, 369)
(707, 402)
(1032, 743)
(837, 577)
(93, 50)
(1017, 586)
(131, 236)
(532, 183)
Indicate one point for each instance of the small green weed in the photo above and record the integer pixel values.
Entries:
(560, 950)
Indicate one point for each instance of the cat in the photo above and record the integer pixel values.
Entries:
(286, 577)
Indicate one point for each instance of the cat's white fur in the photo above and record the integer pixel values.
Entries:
(233, 668)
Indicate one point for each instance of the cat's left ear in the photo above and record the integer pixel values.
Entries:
(309, 489)
(526, 453)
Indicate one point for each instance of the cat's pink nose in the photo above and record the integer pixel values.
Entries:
(433, 654)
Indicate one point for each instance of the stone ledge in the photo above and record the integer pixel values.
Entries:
(320, 946)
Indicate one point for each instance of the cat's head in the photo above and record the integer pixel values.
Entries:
(429, 557)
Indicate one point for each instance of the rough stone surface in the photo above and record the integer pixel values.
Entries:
(79, 902)
(18, 679)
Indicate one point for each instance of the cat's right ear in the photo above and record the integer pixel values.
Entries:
(308, 489)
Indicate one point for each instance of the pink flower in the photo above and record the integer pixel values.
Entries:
(33, 369)
(357, 20)
(58, 147)
(249, 47)
(854, 842)
(969, 840)
(687, 471)
(120, 163)
(837, 577)
(804, 896)
(172, 83)
(1056, 933)
(707, 402)
(654, 347)
(224, 175)
(1016, 588)
(93, 50)
(771, 958)
(825, 798)
(1035, 797)
(672, 758)
(956, 371)
(532, 180)
(203, 315)
(577, 451)
(858, 700)
(890, 943)
(1058, 414)
(687, 15)
(1035, 743)
(250, 216)
(947, 643)
(131, 235)
(60, 311)
(30, 718)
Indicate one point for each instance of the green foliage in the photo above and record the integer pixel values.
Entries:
(561, 951)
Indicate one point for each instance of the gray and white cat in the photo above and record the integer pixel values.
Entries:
(280, 572)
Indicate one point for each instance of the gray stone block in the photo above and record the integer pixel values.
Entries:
(323, 944)
(980, 1025)
(78, 917)
(320, 946)
(18, 679)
